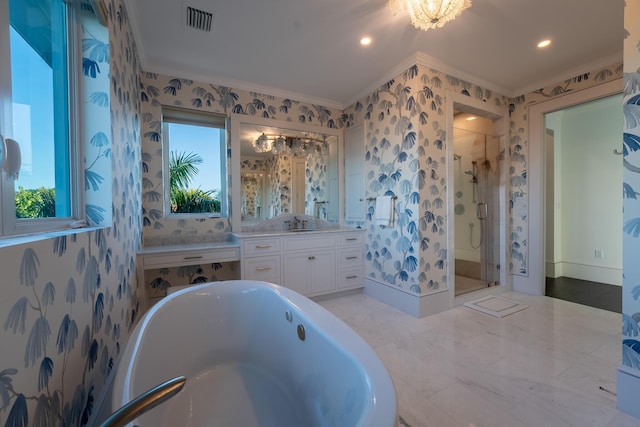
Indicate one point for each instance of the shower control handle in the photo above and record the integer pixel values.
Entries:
(482, 210)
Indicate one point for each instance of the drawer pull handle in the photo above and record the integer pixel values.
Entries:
(352, 257)
(312, 257)
(351, 239)
(352, 277)
(263, 246)
(193, 257)
(263, 268)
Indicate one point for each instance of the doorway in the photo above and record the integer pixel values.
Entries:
(477, 164)
(477, 199)
(583, 248)
(534, 281)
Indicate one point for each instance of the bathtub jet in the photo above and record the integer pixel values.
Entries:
(254, 354)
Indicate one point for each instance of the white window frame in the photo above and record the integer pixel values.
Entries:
(11, 226)
(172, 114)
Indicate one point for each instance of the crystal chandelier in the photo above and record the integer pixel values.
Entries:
(295, 146)
(427, 14)
(263, 144)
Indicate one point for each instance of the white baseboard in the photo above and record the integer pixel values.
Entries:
(553, 269)
(608, 275)
(415, 305)
(628, 390)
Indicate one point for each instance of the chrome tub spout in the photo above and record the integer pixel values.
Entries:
(146, 401)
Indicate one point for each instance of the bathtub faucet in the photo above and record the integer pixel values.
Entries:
(146, 401)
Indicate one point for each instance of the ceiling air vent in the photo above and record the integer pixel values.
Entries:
(198, 19)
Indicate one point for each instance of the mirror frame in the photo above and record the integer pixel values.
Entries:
(236, 121)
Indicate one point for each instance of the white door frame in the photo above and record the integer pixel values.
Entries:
(534, 282)
(499, 116)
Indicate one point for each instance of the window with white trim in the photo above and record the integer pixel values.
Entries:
(195, 163)
(39, 113)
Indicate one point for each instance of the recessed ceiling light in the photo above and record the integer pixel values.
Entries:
(544, 43)
(471, 118)
(365, 41)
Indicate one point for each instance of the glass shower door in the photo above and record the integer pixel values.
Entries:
(476, 210)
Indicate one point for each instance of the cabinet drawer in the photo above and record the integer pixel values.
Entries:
(350, 257)
(309, 242)
(257, 247)
(356, 238)
(190, 258)
(265, 268)
(350, 277)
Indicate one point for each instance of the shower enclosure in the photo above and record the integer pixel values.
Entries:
(477, 162)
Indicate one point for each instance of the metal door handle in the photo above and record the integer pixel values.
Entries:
(482, 210)
(262, 246)
(263, 268)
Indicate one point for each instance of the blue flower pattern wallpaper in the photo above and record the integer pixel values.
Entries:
(69, 299)
(158, 90)
(631, 188)
(406, 157)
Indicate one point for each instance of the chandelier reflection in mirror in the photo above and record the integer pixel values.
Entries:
(426, 14)
(295, 146)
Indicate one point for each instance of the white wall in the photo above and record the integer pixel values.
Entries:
(587, 187)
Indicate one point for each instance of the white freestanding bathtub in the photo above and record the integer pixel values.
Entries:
(240, 345)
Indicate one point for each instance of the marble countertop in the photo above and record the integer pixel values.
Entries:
(188, 247)
(279, 233)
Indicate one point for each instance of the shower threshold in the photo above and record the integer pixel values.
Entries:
(465, 285)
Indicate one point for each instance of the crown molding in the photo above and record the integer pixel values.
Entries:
(435, 63)
(422, 59)
(570, 73)
(391, 74)
(243, 85)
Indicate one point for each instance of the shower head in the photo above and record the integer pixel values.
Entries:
(457, 156)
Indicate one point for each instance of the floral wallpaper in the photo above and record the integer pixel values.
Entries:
(251, 195)
(317, 186)
(69, 298)
(405, 157)
(161, 279)
(97, 172)
(252, 176)
(631, 188)
(157, 90)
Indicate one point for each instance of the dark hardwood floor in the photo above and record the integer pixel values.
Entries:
(593, 294)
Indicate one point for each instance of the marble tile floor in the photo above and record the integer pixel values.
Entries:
(553, 364)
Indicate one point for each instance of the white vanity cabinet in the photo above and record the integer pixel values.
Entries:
(261, 259)
(311, 263)
(350, 260)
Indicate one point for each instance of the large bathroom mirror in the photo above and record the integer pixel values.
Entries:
(284, 168)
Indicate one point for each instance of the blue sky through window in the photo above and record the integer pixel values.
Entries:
(33, 120)
(205, 142)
